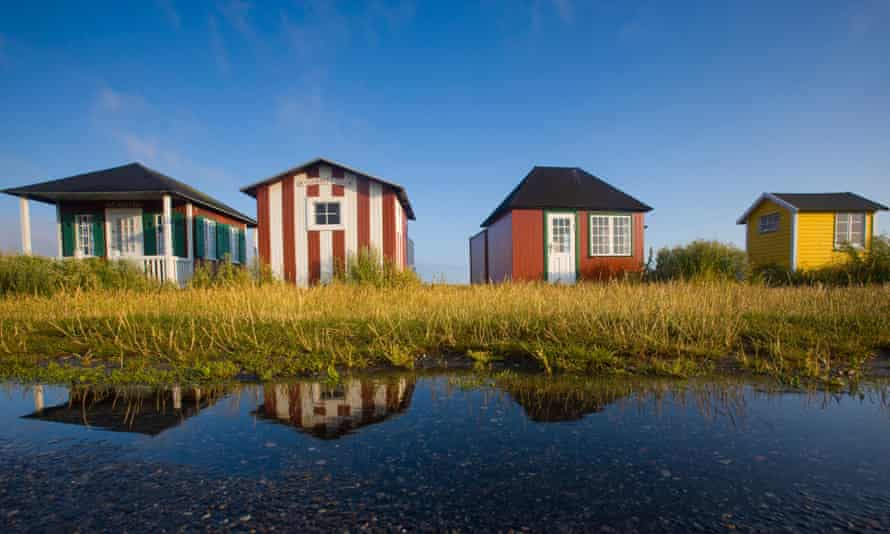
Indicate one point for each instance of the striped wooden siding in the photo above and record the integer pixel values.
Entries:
(371, 215)
(262, 199)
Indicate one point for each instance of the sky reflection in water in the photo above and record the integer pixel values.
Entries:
(522, 442)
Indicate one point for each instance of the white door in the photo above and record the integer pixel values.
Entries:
(125, 232)
(561, 247)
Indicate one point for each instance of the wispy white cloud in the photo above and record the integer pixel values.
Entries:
(109, 102)
(218, 46)
(167, 158)
(303, 108)
(170, 13)
(139, 147)
(237, 13)
(566, 10)
(388, 16)
(319, 30)
(869, 17)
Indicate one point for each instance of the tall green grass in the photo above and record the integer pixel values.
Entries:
(367, 267)
(33, 275)
(672, 328)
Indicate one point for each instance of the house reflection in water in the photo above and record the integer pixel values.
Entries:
(139, 410)
(331, 411)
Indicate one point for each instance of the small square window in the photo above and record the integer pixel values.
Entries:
(769, 223)
(327, 213)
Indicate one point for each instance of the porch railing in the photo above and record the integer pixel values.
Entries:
(156, 268)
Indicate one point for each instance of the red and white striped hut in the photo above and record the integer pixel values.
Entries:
(316, 215)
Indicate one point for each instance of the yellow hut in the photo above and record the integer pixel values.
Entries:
(804, 231)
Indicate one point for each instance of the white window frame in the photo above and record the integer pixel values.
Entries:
(233, 244)
(847, 218)
(82, 220)
(310, 213)
(209, 242)
(769, 223)
(610, 228)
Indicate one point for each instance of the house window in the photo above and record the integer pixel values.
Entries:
(209, 239)
(159, 234)
(233, 244)
(769, 223)
(327, 213)
(84, 226)
(610, 235)
(849, 230)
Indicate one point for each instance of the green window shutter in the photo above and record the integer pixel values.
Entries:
(179, 235)
(99, 233)
(242, 247)
(149, 234)
(222, 240)
(199, 236)
(67, 234)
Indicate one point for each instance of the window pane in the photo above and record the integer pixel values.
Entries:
(621, 235)
(327, 213)
(599, 236)
(857, 229)
(842, 229)
(84, 234)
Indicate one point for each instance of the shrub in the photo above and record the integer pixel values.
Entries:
(34, 275)
(368, 268)
(701, 260)
(225, 274)
(872, 267)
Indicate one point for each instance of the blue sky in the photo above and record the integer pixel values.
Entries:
(694, 108)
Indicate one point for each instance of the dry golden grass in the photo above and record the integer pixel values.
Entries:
(670, 328)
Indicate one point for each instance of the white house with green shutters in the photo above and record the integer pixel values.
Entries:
(133, 213)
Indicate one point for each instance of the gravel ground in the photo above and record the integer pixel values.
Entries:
(80, 491)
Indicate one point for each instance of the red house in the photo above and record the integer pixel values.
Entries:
(313, 217)
(560, 224)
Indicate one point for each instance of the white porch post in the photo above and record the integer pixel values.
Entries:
(26, 225)
(59, 231)
(169, 264)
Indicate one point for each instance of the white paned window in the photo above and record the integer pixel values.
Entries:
(327, 213)
(561, 230)
(159, 233)
(769, 223)
(611, 235)
(849, 230)
(209, 239)
(233, 244)
(84, 228)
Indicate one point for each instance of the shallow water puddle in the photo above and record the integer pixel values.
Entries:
(432, 452)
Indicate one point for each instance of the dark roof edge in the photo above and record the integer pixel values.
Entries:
(220, 206)
(250, 189)
(505, 207)
(214, 205)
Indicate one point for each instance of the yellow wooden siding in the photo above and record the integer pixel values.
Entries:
(773, 248)
(815, 239)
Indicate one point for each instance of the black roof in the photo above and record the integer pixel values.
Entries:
(401, 194)
(830, 202)
(565, 188)
(129, 179)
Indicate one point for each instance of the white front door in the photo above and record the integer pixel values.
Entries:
(561, 247)
(125, 232)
